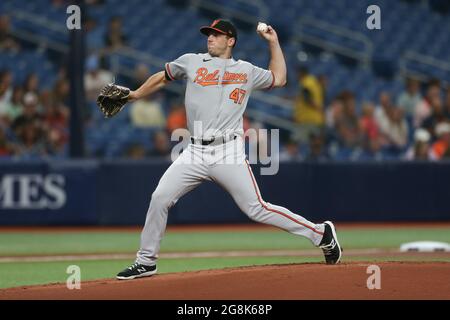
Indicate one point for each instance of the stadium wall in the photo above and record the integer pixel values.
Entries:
(118, 193)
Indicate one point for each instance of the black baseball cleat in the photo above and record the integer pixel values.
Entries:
(136, 270)
(330, 245)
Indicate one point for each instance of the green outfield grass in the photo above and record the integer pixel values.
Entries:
(22, 243)
(48, 243)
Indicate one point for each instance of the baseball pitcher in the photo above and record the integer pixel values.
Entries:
(217, 91)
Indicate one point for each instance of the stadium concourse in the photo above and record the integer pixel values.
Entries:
(374, 104)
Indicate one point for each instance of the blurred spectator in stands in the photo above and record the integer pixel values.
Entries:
(290, 151)
(420, 150)
(347, 127)
(8, 41)
(334, 112)
(383, 109)
(5, 89)
(55, 142)
(148, 112)
(55, 120)
(31, 141)
(371, 143)
(95, 78)
(395, 130)
(29, 115)
(308, 106)
(31, 83)
(60, 92)
(437, 116)
(6, 148)
(62, 73)
(3, 105)
(317, 152)
(447, 105)
(115, 37)
(368, 124)
(411, 97)
(424, 109)
(441, 148)
(14, 107)
(323, 80)
(161, 145)
(177, 117)
(45, 99)
(135, 152)
(372, 151)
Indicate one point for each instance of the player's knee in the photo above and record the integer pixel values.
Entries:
(254, 211)
(160, 199)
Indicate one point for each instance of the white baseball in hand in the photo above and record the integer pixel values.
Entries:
(262, 27)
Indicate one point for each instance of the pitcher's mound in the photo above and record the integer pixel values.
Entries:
(399, 280)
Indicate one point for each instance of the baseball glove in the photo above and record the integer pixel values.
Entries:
(112, 99)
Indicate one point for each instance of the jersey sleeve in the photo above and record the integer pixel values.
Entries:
(177, 69)
(262, 78)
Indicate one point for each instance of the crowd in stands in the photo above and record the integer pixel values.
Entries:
(415, 125)
(34, 122)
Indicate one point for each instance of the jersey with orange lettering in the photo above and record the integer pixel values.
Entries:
(217, 91)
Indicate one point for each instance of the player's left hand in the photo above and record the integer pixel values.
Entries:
(112, 99)
(270, 35)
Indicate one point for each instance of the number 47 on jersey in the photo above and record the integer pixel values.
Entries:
(237, 95)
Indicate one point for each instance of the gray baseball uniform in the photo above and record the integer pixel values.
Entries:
(217, 93)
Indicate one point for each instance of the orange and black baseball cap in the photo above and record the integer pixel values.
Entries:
(221, 26)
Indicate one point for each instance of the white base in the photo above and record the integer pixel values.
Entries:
(425, 246)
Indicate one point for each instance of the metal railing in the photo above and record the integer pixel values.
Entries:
(415, 57)
(363, 56)
(338, 30)
(38, 20)
(41, 42)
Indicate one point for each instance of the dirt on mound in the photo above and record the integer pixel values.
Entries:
(399, 280)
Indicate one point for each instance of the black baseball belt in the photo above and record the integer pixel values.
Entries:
(213, 141)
